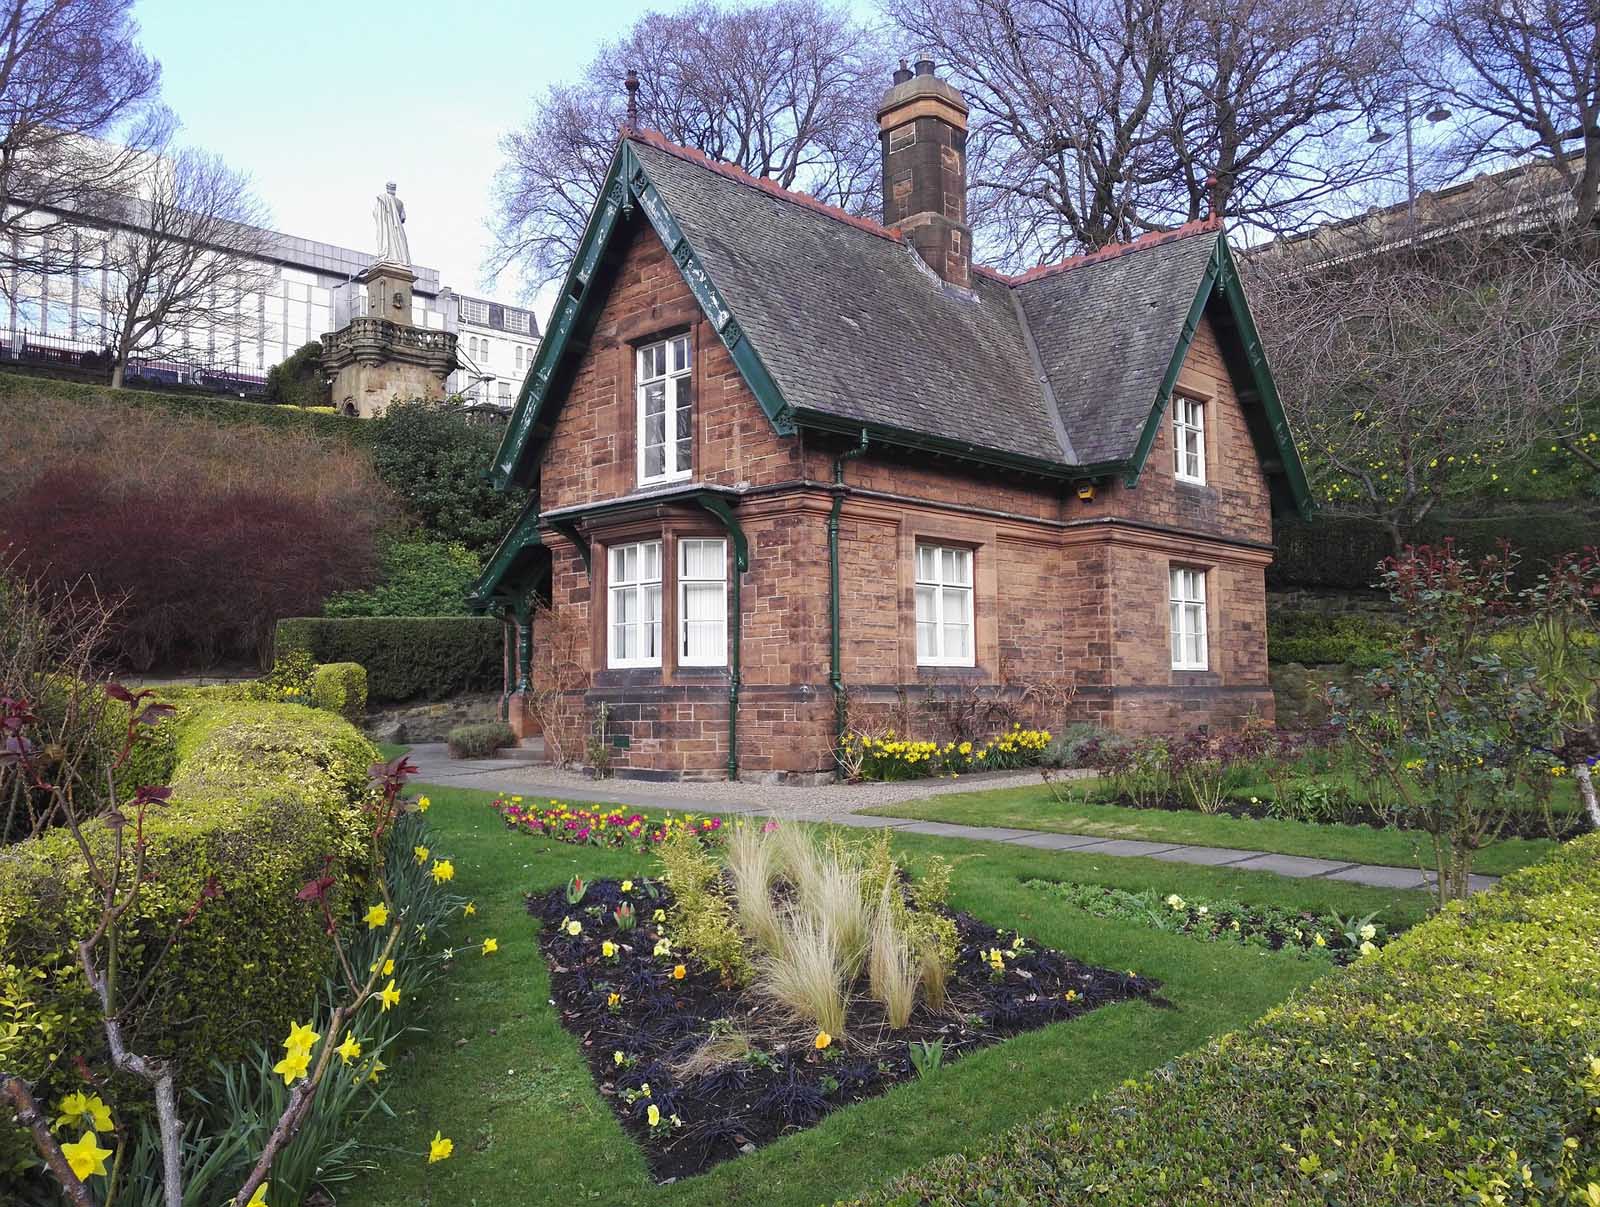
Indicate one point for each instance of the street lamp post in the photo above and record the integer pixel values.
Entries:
(1379, 135)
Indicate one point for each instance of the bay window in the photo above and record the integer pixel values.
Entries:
(665, 419)
(944, 606)
(634, 606)
(702, 602)
(1187, 601)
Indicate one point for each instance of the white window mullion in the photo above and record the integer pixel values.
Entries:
(665, 414)
(702, 602)
(943, 605)
(1187, 614)
(634, 604)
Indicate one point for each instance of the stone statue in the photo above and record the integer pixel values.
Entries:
(389, 216)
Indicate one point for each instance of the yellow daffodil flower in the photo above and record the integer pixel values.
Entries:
(421, 853)
(422, 804)
(377, 1067)
(439, 1148)
(468, 910)
(301, 1038)
(350, 1050)
(443, 870)
(377, 916)
(390, 996)
(86, 1156)
(84, 1110)
(259, 1198)
(490, 946)
(293, 1066)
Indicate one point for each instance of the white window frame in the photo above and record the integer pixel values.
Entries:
(1188, 439)
(937, 589)
(675, 379)
(643, 589)
(1186, 605)
(685, 581)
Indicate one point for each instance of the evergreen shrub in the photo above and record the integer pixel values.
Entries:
(406, 657)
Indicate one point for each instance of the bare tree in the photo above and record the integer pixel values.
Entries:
(1098, 119)
(1525, 78)
(183, 258)
(1419, 373)
(785, 90)
(77, 113)
(1066, 138)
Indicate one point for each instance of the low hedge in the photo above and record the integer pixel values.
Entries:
(479, 739)
(262, 795)
(341, 687)
(1458, 1065)
(1318, 638)
(1343, 552)
(406, 657)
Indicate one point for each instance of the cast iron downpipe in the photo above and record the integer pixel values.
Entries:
(835, 671)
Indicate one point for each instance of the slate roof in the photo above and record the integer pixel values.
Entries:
(851, 323)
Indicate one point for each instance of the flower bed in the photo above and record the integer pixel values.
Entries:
(1339, 939)
(890, 758)
(616, 827)
(699, 1070)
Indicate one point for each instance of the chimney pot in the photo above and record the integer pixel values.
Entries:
(904, 74)
(922, 125)
(924, 66)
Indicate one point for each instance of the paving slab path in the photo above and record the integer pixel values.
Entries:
(835, 805)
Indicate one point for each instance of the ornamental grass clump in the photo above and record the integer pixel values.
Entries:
(894, 971)
(807, 975)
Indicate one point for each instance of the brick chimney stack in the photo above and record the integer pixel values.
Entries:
(922, 123)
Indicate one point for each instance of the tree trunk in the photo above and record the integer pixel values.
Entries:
(1586, 793)
(116, 372)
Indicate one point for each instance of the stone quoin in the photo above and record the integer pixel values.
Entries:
(791, 470)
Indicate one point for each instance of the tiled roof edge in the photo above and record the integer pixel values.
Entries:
(660, 142)
(1110, 252)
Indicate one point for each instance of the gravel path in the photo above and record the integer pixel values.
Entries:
(830, 800)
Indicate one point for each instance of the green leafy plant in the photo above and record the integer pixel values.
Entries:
(420, 577)
(927, 1056)
(479, 739)
(406, 657)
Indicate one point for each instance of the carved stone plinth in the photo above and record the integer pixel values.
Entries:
(375, 360)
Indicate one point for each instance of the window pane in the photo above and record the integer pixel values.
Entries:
(927, 556)
(655, 399)
(927, 639)
(703, 559)
(680, 353)
(955, 641)
(650, 551)
(956, 601)
(1177, 633)
(925, 605)
(655, 461)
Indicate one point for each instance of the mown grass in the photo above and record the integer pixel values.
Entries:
(496, 1072)
(1034, 807)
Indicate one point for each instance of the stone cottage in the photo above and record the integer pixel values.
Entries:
(792, 471)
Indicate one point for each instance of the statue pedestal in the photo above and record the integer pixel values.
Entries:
(381, 356)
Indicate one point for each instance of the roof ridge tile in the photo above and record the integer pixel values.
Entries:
(661, 142)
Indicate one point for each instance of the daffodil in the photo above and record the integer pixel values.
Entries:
(377, 1067)
(293, 1066)
(350, 1050)
(422, 804)
(84, 1110)
(439, 1148)
(376, 916)
(390, 996)
(421, 853)
(468, 910)
(301, 1038)
(86, 1156)
(490, 946)
(443, 870)
(259, 1198)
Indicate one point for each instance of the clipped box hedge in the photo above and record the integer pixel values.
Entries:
(1459, 1065)
(406, 657)
(262, 795)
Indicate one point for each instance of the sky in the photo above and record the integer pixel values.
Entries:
(321, 103)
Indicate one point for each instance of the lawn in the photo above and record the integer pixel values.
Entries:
(496, 1072)
(1034, 807)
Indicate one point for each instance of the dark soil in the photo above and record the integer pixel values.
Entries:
(786, 1084)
